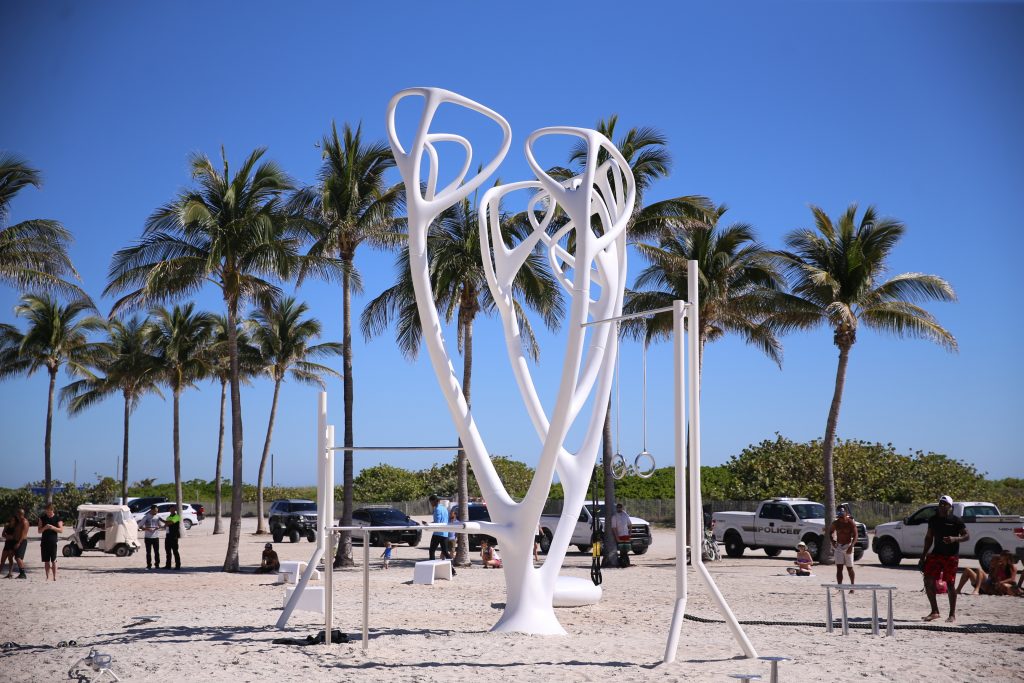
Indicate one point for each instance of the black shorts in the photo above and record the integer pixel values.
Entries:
(20, 551)
(48, 550)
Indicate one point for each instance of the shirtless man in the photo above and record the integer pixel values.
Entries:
(843, 534)
(269, 564)
(20, 542)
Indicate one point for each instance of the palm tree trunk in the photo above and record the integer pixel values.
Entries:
(609, 549)
(177, 451)
(220, 461)
(343, 558)
(261, 523)
(47, 470)
(462, 547)
(235, 530)
(124, 451)
(825, 557)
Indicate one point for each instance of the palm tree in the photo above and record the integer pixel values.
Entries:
(350, 206)
(838, 271)
(460, 289)
(33, 253)
(232, 230)
(128, 368)
(283, 339)
(56, 336)
(646, 151)
(219, 360)
(741, 284)
(179, 339)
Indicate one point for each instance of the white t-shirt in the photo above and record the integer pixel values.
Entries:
(150, 525)
(620, 524)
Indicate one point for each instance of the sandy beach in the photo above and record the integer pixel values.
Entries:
(212, 626)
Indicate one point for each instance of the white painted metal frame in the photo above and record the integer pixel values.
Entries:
(687, 381)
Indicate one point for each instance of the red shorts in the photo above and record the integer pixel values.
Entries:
(941, 565)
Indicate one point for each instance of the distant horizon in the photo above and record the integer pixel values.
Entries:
(911, 107)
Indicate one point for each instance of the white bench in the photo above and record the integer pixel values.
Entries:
(427, 571)
(290, 570)
(311, 599)
(842, 588)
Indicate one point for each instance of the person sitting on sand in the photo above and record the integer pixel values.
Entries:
(803, 562)
(270, 563)
(999, 580)
(489, 555)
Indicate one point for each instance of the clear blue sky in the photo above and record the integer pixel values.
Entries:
(769, 107)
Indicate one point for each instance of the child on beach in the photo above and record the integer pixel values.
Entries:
(803, 561)
(386, 555)
(489, 555)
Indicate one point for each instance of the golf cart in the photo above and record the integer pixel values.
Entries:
(104, 528)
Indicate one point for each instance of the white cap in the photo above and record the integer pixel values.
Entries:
(947, 500)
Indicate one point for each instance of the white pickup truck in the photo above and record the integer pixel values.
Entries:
(639, 530)
(778, 524)
(990, 533)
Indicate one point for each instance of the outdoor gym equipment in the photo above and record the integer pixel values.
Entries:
(596, 207)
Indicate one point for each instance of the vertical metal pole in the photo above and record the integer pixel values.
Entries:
(693, 326)
(327, 514)
(366, 589)
(318, 551)
(679, 405)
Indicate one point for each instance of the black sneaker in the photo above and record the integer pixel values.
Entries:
(21, 576)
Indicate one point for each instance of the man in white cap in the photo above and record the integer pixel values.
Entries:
(946, 531)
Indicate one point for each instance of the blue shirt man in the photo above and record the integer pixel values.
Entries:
(439, 539)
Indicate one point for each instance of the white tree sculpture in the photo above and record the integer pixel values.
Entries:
(598, 204)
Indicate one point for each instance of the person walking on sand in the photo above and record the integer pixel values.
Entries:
(20, 543)
(386, 555)
(50, 526)
(9, 544)
(151, 524)
(620, 528)
(439, 539)
(173, 524)
(946, 531)
(843, 534)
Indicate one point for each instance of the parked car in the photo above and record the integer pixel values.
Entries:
(142, 504)
(294, 518)
(478, 513)
(639, 530)
(382, 515)
(189, 518)
(990, 532)
(779, 524)
(200, 510)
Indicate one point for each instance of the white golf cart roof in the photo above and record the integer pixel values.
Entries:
(94, 507)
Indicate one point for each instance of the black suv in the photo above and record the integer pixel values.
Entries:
(143, 504)
(386, 516)
(293, 518)
(478, 513)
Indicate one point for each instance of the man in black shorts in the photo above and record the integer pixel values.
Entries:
(50, 526)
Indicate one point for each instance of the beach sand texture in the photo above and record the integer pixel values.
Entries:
(213, 626)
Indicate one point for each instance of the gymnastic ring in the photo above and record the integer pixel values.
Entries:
(619, 466)
(638, 470)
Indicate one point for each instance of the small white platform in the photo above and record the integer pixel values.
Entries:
(428, 571)
(571, 591)
(293, 577)
(311, 599)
